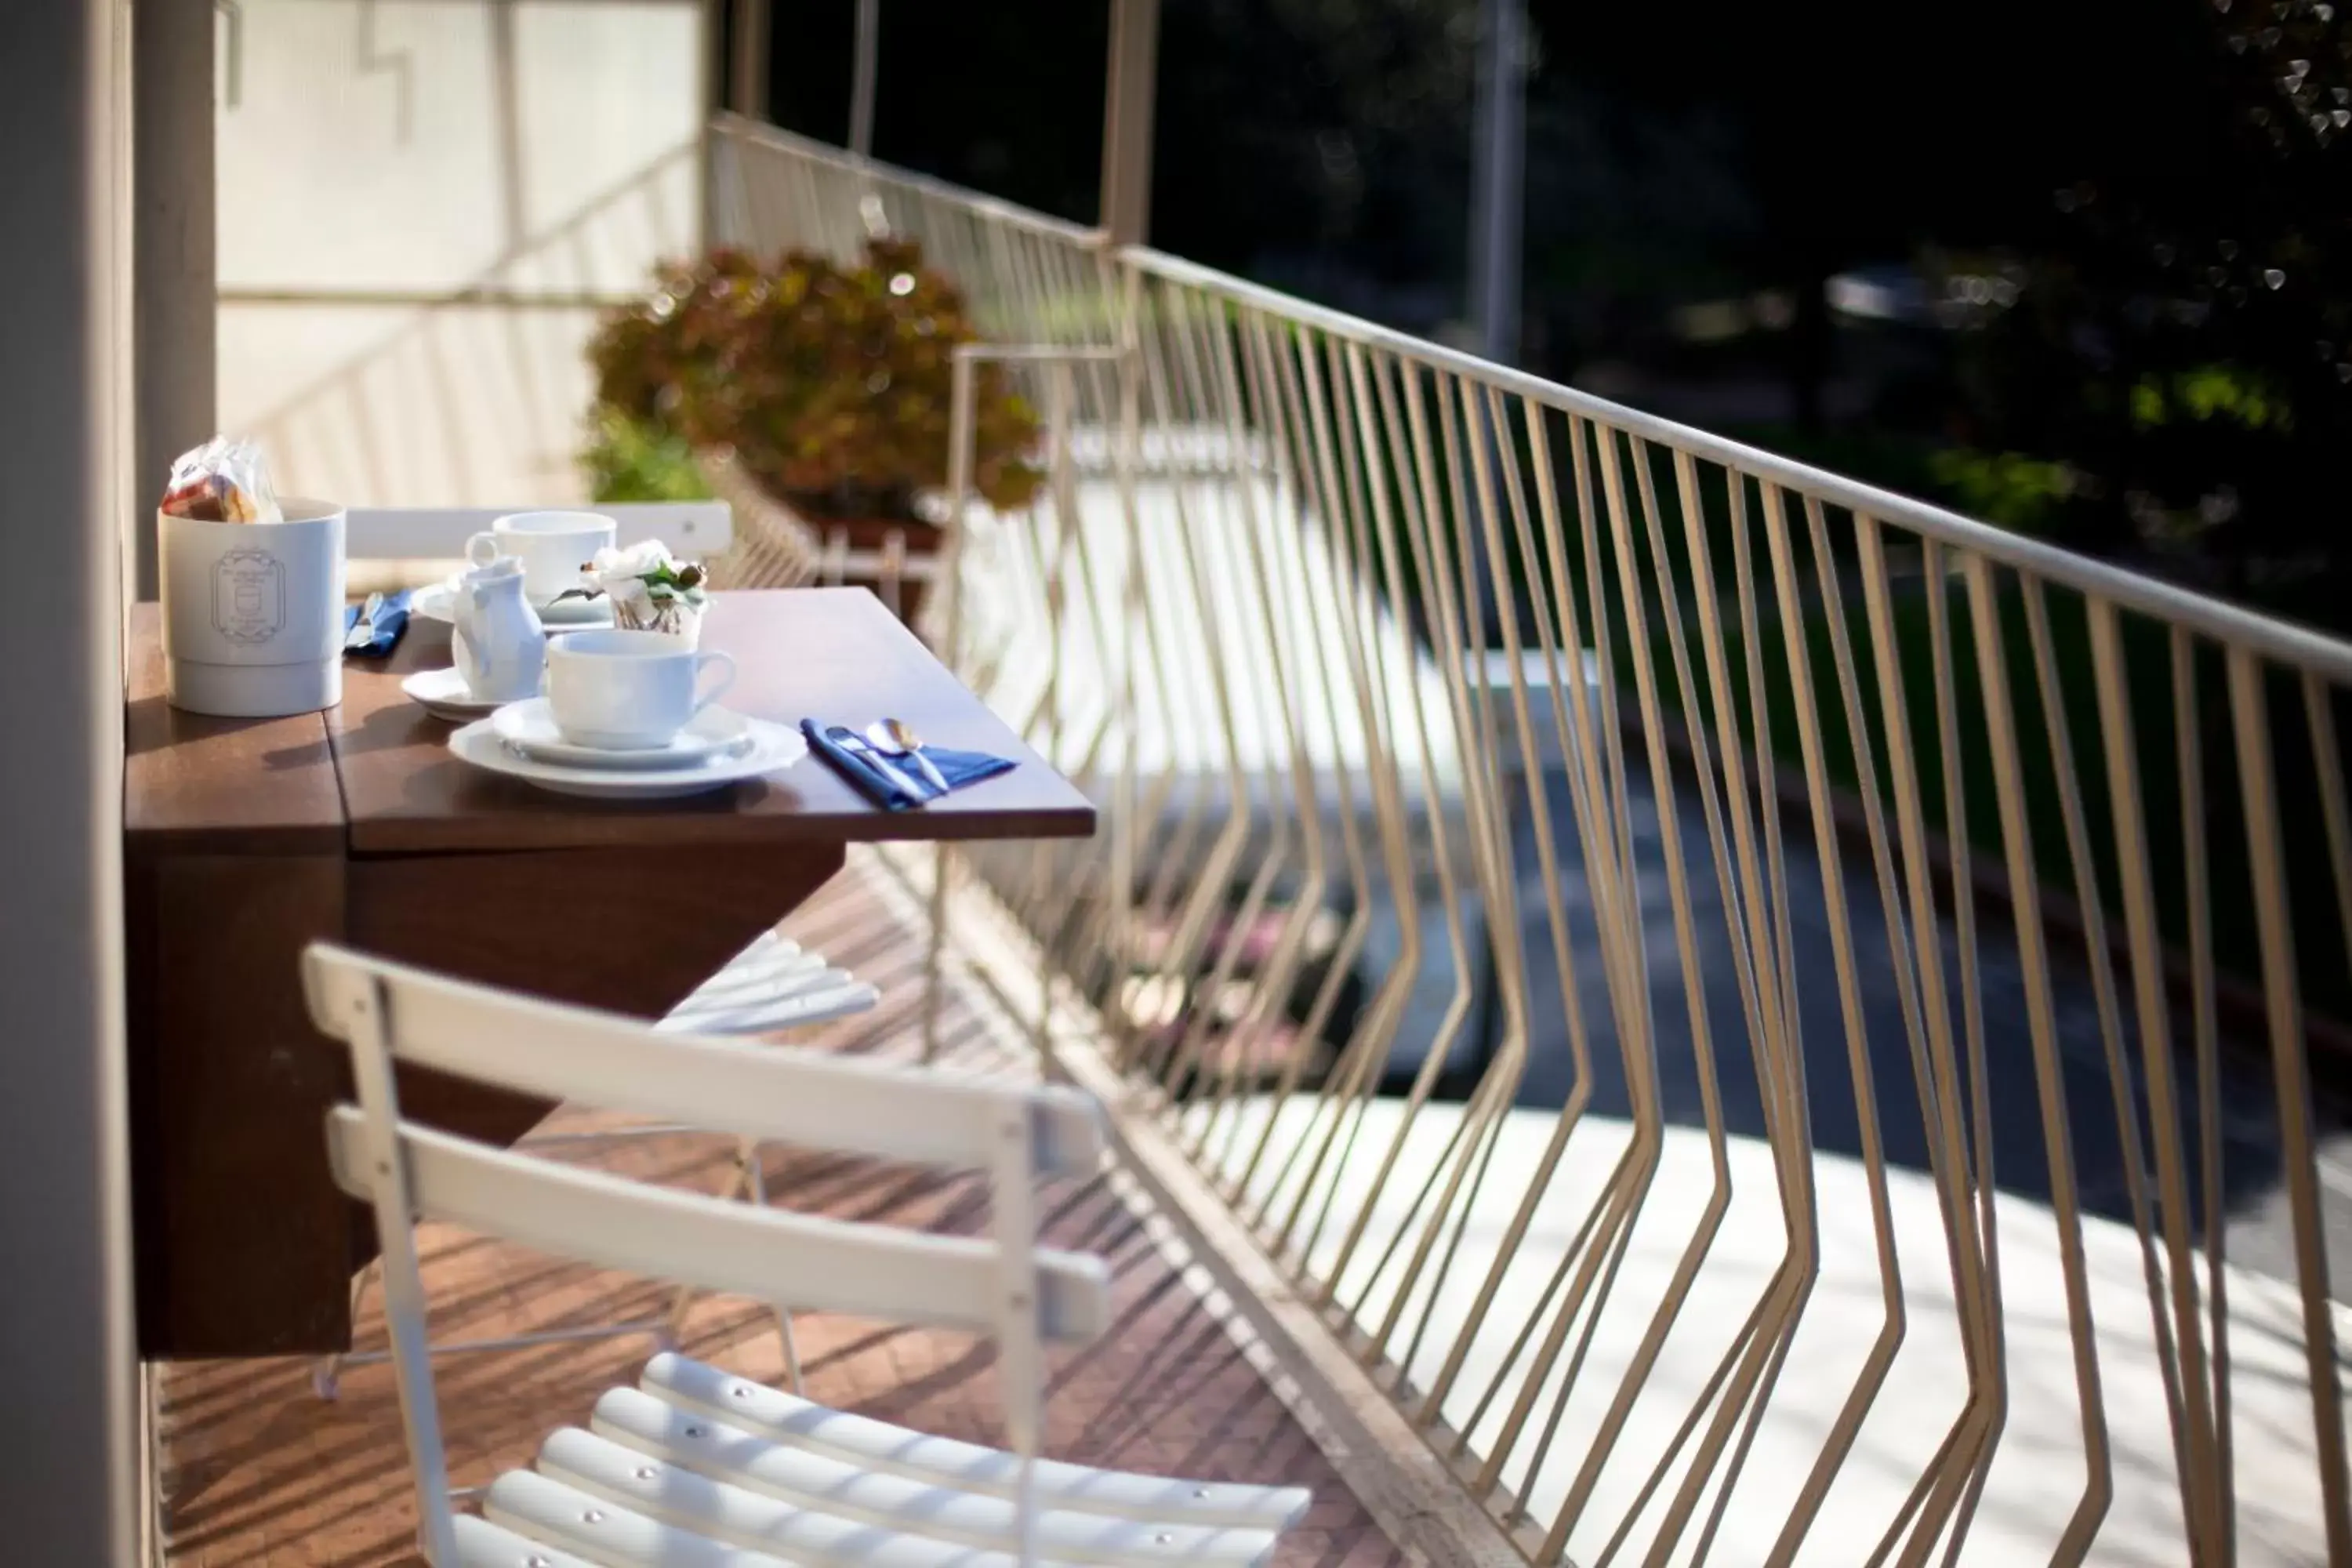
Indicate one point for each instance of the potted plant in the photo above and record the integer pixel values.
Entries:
(825, 387)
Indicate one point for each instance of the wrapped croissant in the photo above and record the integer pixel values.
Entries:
(224, 481)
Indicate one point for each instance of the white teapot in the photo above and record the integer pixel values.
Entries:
(501, 646)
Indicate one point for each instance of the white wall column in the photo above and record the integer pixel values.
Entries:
(69, 1490)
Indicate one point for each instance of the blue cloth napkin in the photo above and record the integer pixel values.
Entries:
(959, 768)
(383, 631)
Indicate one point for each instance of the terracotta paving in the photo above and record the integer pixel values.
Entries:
(257, 1469)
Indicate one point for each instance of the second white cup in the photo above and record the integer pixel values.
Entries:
(553, 547)
(628, 691)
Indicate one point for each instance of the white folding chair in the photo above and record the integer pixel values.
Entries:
(695, 1467)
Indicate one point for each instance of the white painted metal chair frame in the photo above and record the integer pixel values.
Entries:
(1005, 1286)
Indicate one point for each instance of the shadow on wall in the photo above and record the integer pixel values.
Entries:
(477, 399)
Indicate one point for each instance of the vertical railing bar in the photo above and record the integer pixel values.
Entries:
(1569, 1257)
(1193, 333)
(1468, 467)
(1200, 395)
(1281, 731)
(1176, 401)
(1709, 1398)
(1963, 885)
(1762, 1362)
(2121, 1080)
(1282, 532)
(1305, 412)
(1496, 421)
(1609, 865)
(1594, 1305)
(1767, 1378)
(1490, 1098)
(1350, 549)
(2291, 1073)
(2197, 1472)
(1624, 1183)
(1694, 1255)
(1435, 562)
(1992, 675)
(1825, 847)
(2319, 715)
(1932, 1056)
(1377, 1020)
(1069, 935)
(1771, 1043)
(2198, 895)
(1411, 440)
(1128, 829)
(1431, 563)
(1579, 1093)
(1635, 1026)
(1759, 1006)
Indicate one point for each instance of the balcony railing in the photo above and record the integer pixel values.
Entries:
(1770, 1020)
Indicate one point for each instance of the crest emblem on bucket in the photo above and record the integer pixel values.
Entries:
(248, 596)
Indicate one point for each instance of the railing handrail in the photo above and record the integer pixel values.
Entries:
(2302, 646)
(759, 132)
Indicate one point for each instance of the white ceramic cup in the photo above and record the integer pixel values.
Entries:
(628, 691)
(551, 545)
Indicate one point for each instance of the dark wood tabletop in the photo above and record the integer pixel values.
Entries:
(248, 838)
(379, 766)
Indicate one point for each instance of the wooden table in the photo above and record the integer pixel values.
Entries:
(246, 839)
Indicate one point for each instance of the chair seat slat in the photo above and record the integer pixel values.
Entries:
(683, 1499)
(942, 1461)
(601, 1533)
(636, 1419)
(482, 1544)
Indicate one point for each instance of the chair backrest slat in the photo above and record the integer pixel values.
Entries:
(813, 1099)
(772, 1255)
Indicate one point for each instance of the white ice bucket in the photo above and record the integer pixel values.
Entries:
(253, 612)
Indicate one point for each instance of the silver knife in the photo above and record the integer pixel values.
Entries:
(850, 741)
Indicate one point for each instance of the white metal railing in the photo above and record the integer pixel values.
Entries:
(1779, 1020)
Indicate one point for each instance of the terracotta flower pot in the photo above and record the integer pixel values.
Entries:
(778, 545)
(889, 540)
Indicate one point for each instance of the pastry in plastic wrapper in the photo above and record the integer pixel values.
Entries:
(224, 481)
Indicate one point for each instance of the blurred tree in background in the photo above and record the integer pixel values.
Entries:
(2179, 362)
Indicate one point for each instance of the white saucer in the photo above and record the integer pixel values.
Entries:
(771, 747)
(530, 728)
(433, 602)
(443, 694)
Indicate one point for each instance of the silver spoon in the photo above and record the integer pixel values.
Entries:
(897, 738)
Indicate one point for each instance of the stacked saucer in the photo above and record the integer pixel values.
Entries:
(716, 748)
